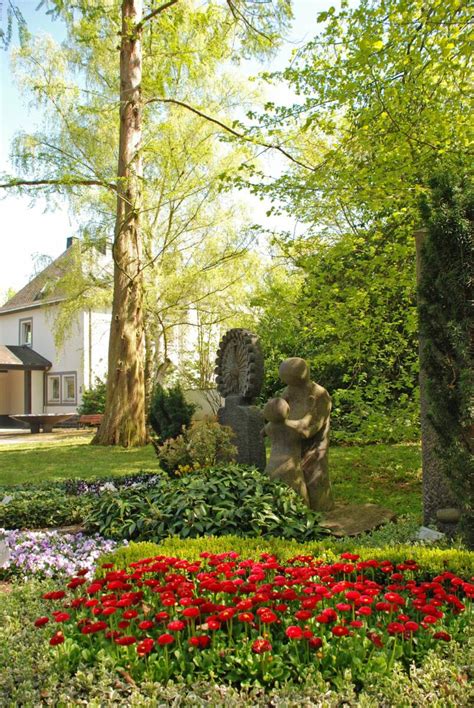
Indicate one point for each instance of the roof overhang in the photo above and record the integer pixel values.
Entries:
(23, 358)
(30, 306)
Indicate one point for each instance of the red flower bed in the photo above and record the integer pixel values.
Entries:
(264, 621)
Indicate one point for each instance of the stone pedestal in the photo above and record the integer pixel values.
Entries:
(247, 423)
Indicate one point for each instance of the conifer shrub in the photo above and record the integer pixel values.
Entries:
(169, 412)
(93, 399)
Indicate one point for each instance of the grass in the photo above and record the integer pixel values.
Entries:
(389, 475)
(22, 463)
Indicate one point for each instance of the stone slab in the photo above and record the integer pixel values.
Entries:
(427, 534)
(355, 519)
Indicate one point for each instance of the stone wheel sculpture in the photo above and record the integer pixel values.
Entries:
(239, 364)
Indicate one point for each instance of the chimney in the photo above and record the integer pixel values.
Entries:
(70, 240)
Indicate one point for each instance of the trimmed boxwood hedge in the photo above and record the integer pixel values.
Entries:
(431, 560)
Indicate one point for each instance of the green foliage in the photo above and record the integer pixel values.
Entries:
(93, 399)
(446, 327)
(37, 509)
(169, 412)
(204, 444)
(354, 320)
(217, 501)
(431, 560)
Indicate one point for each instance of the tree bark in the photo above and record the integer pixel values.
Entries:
(124, 418)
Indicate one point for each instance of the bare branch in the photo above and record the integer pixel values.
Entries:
(153, 14)
(60, 182)
(232, 131)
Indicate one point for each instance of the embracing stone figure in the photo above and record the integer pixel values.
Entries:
(284, 462)
(309, 417)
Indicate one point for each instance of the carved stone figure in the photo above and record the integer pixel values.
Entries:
(285, 456)
(239, 377)
(309, 415)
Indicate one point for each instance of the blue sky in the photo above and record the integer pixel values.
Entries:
(28, 228)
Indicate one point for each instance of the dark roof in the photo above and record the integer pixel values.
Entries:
(40, 290)
(21, 357)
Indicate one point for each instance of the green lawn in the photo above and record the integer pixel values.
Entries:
(389, 475)
(37, 462)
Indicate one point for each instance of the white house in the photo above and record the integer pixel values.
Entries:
(35, 376)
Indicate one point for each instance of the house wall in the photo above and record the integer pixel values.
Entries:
(16, 401)
(67, 359)
(4, 393)
(96, 327)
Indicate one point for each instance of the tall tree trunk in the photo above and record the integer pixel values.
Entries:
(124, 419)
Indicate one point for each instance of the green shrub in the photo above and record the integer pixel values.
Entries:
(215, 501)
(169, 412)
(430, 560)
(204, 444)
(37, 509)
(93, 399)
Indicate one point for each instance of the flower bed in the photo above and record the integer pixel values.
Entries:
(266, 621)
(50, 554)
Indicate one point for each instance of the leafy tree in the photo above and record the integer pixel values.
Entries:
(180, 38)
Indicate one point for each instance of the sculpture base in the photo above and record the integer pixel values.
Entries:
(247, 423)
(355, 519)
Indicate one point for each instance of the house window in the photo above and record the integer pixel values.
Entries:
(54, 389)
(69, 388)
(26, 332)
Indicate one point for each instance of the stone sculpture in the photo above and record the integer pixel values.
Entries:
(239, 377)
(285, 456)
(309, 416)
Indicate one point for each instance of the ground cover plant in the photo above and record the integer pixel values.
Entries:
(218, 500)
(50, 554)
(269, 622)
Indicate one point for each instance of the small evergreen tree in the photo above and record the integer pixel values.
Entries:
(93, 399)
(447, 335)
(169, 412)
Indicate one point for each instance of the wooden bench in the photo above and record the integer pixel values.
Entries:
(93, 419)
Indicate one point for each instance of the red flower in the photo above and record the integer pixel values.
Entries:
(57, 638)
(165, 639)
(294, 632)
(199, 641)
(123, 624)
(213, 624)
(303, 615)
(268, 617)
(41, 621)
(260, 646)
(412, 626)
(176, 626)
(62, 616)
(245, 617)
(395, 628)
(93, 627)
(191, 612)
(364, 611)
(145, 647)
(444, 636)
(130, 614)
(356, 623)
(109, 611)
(146, 624)
(162, 616)
(375, 639)
(125, 641)
(54, 595)
(315, 642)
(339, 631)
